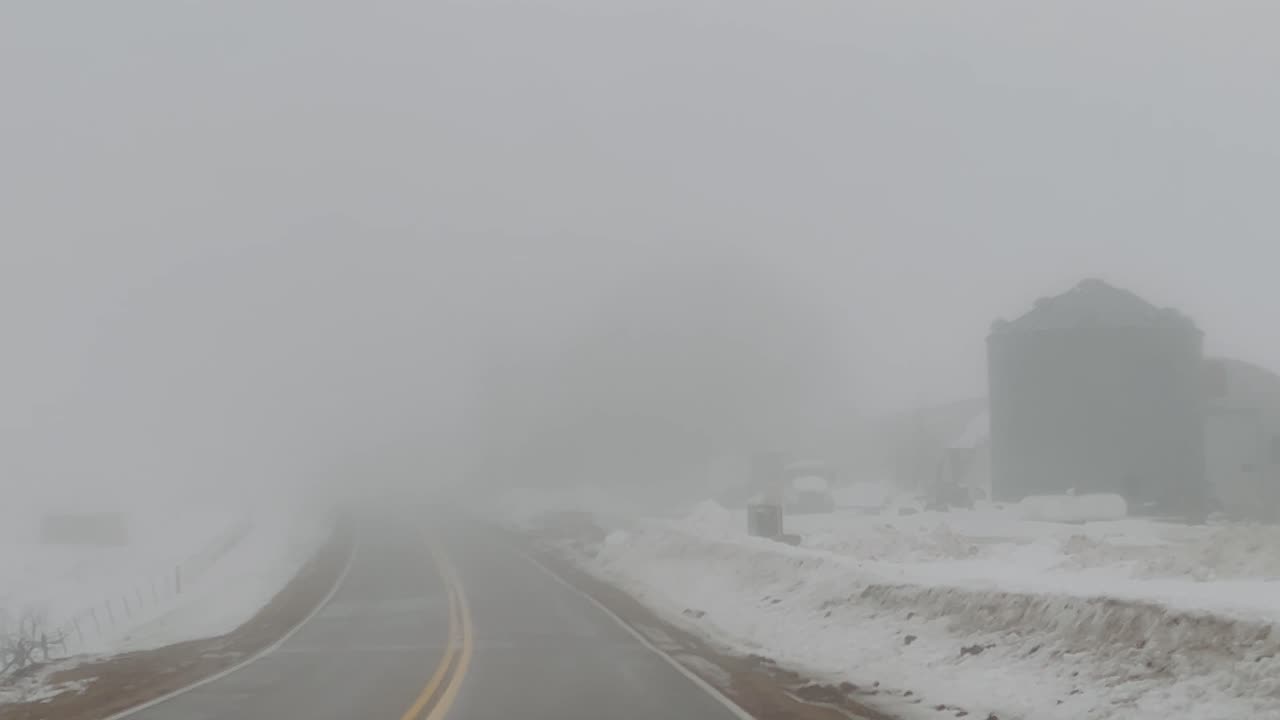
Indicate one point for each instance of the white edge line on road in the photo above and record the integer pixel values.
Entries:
(252, 658)
(693, 677)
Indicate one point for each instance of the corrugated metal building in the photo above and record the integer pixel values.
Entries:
(1243, 439)
(1097, 390)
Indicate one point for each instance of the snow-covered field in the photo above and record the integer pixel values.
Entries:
(239, 584)
(983, 610)
(187, 572)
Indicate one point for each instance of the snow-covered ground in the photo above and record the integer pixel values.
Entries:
(239, 584)
(186, 572)
(1125, 619)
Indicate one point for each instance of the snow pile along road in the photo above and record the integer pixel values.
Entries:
(982, 611)
(239, 584)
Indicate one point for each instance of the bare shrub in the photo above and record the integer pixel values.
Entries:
(27, 641)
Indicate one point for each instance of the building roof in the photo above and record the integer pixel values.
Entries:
(1242, 384)
(1094, 303)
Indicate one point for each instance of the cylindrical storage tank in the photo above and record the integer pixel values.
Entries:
(1098, 391)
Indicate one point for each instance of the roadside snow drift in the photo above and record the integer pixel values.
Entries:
(981, 610)
(234, 588)
(185, 573)
(1073, 508)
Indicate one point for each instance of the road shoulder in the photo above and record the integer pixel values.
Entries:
(754, 683)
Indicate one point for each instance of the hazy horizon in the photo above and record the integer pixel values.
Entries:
(275, 239)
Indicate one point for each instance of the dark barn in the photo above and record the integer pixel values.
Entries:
(1097, 390)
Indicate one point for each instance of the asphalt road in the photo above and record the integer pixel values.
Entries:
(463, 628)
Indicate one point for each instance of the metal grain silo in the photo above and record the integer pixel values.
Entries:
(1097, 390)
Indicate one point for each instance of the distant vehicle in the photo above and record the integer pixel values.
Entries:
(863, 498)
(808, 488)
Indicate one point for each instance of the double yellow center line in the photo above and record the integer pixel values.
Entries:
(437, 697)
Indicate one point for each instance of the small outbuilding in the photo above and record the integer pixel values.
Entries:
(1242, 437)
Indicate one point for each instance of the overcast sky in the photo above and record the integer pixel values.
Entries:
(197, 196)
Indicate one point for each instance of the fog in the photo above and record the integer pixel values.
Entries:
(254, 244)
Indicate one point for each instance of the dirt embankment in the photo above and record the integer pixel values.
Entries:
(114, 684)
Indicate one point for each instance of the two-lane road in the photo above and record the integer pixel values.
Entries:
(461, 627)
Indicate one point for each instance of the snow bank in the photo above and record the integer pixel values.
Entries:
(982, 610)
(187, 572)
(1073, 508)
(713, 519)
(238, 585)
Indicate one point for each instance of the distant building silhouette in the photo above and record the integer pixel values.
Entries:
(1097, 390)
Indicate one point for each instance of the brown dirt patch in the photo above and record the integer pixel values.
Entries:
(117, 683)
(754, 682)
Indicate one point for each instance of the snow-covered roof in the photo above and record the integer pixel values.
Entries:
(975, 433)
(862, 494)
(811, 483)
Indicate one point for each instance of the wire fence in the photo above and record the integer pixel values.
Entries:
(28, 640)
